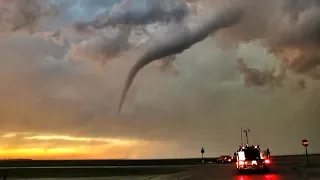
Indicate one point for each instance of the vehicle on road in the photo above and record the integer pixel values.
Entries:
(224, 159)
(252, 158)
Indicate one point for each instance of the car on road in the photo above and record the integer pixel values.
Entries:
(252, 158)
(224, 159)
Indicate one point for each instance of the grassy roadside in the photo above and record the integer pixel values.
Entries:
(87, 172)
(175, 176)
(60, 163)
(307, 171)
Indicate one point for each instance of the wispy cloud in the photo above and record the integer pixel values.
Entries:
(80, 139)
(9, 135)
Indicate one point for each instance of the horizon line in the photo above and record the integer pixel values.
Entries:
(134, 159)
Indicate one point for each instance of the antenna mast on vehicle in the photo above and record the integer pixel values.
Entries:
(241, 137)
(246, 131)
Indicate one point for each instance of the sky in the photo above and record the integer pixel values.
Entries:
(52, 108)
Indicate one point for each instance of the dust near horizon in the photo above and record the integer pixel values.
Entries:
(204, 106)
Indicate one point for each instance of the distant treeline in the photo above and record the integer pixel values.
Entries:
(129, 162)
(16, 160)
(59, 163)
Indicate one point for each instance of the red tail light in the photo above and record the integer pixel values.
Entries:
(267, 161)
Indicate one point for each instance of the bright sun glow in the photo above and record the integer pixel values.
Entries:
(40, 146)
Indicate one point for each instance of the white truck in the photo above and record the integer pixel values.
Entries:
(252, 158)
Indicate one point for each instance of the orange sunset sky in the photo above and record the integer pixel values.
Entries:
(37, 146)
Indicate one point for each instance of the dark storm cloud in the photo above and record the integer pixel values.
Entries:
(289, 27)
(84, 10)
(180, 40)
(102, 48)
(303, 39)
(16, 15)
(153, 11)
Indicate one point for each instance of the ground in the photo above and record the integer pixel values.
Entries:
(292, 168)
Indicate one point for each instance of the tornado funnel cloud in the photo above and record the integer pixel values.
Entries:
(180, 41)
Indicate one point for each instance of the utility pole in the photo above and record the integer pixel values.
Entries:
(246, 131)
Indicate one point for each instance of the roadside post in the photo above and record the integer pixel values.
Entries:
(268, 152)
(4, 176)
(305, 144)
(202, 151)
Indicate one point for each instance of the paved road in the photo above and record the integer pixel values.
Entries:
(282, 170)
(212, 172)
(228, 172)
